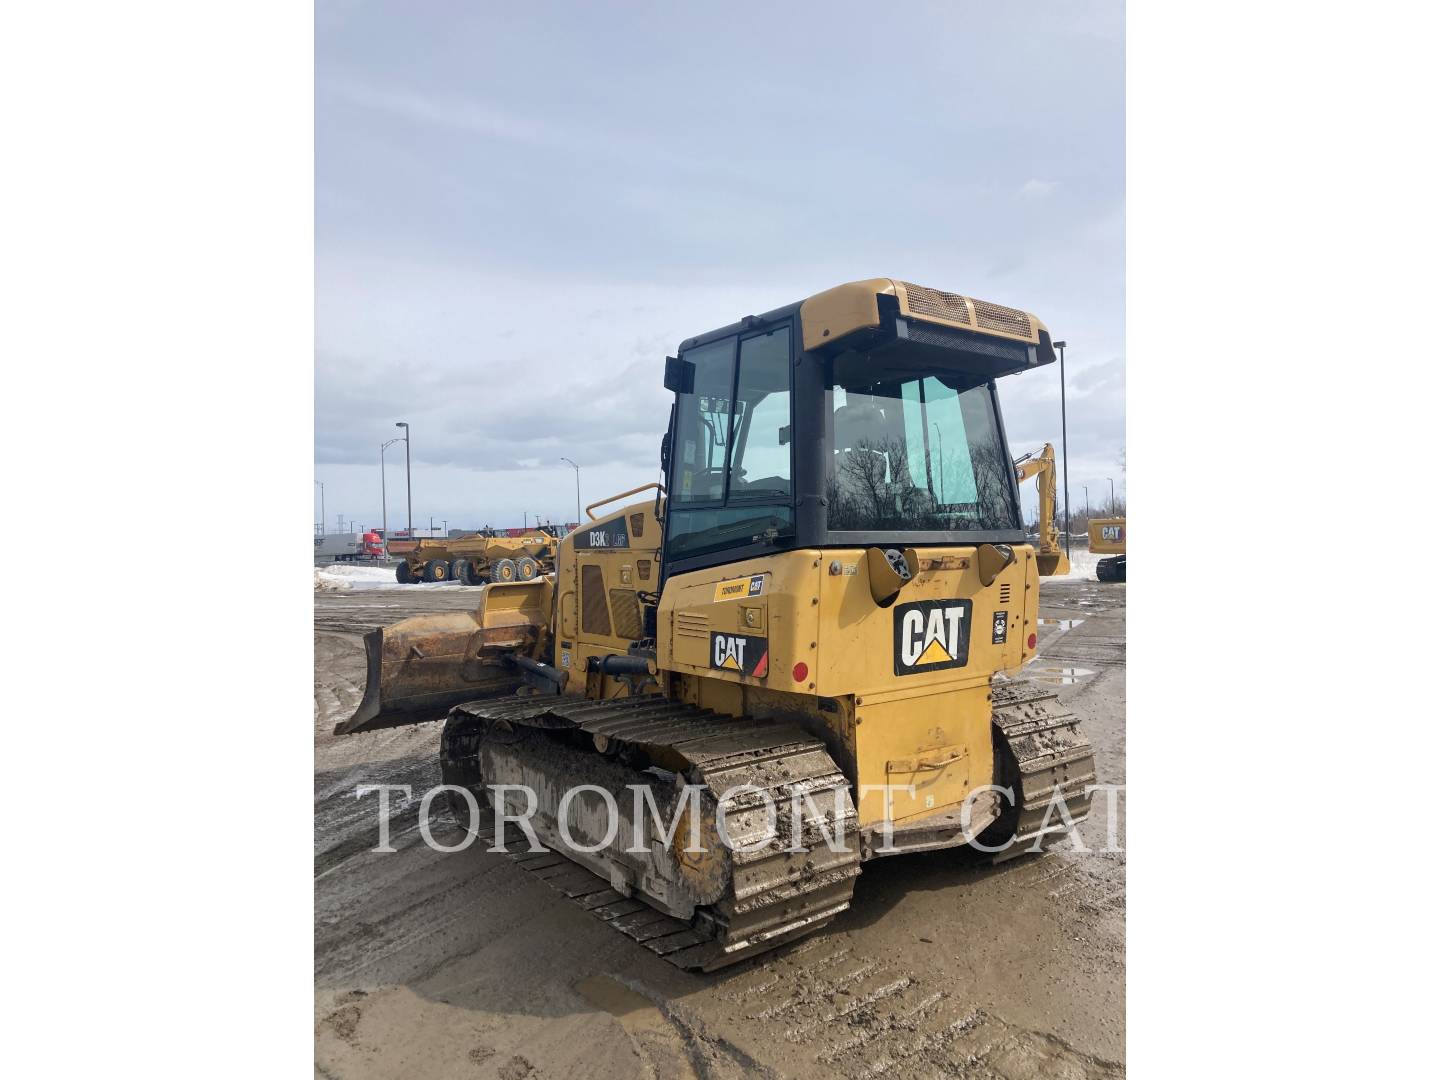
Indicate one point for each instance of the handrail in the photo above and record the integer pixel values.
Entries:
(633, 491)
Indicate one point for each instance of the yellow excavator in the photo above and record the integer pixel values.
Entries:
(1107, 537)
(801, 653)
(1049, 554)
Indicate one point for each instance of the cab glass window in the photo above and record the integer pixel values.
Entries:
(702, 425)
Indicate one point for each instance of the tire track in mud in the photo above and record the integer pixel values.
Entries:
(348, 824)
(837, 1005)
(859, 1016)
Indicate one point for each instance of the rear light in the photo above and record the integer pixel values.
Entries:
(1030, 642)
(801, 671)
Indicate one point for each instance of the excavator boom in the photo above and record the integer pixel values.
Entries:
(1050, 554)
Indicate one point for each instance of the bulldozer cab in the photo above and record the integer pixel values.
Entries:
(859, 417)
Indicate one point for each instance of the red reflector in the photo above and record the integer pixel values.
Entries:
(1031, 641)
(801, 672)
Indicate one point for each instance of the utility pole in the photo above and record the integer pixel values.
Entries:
(1112, 496)
(1087, 501)
(577, 488)
(1064, 446)
(322, 507)
(409, 514)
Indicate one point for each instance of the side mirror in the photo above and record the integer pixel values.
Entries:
(679, 375)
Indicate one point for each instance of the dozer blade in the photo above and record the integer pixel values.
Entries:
(418, 668)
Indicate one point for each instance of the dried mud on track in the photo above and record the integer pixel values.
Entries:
(464, 965)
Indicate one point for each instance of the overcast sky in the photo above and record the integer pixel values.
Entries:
(521, 209)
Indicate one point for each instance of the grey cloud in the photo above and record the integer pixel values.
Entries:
(517, 217)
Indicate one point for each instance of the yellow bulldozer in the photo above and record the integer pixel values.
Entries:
(801, 652)
(1049, 554)
(478, 559)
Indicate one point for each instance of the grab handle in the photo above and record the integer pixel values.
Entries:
(633, 491)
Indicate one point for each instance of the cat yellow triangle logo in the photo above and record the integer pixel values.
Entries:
(729, 662)
(931, 635)
(934, 654)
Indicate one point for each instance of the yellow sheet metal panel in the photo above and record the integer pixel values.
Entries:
(943, 627)
(933, 749)
(829, 316)
(1107, 536)
(596, 577)
(914, 675)
(748, 622)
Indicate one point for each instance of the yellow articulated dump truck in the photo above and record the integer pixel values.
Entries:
(1107, 537)
(802, 652)
(477, 559)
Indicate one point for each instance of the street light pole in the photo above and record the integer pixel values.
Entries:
(577, 488)
(1087, 501)
(322, 507)
(409, 511)
(940, 437)
(1064, 447)
(384, 510)
(1112, 496)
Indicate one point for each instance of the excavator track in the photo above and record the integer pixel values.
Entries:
(1041, 754)
(705, 914)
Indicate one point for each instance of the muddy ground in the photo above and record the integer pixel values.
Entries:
(463, 965)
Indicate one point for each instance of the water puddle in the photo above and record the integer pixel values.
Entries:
(1063, 624)
(1060, 676)
(655, 1039)
(614, 997)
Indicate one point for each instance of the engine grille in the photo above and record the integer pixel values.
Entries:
(626, 607)
(594, 613)
(1004, 319)
(941, 305)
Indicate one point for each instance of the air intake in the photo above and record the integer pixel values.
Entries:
(1005, 320)
(952, 307)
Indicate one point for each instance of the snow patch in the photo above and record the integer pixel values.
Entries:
(1082, 566)
(341, 576)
